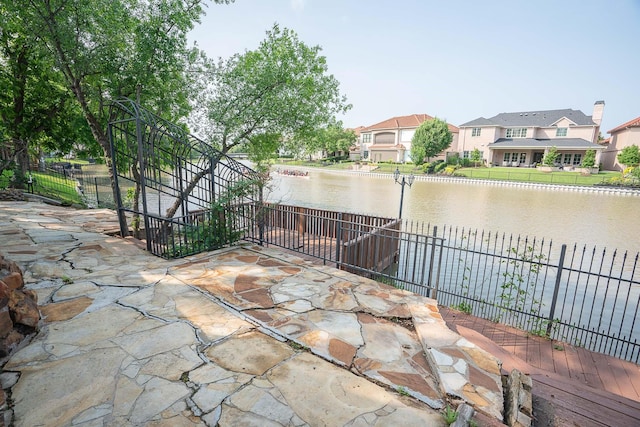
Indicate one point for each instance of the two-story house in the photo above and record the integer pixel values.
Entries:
(523, 138)
(625, 135)
(390, 140)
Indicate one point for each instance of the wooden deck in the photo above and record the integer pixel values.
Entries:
(571, 385)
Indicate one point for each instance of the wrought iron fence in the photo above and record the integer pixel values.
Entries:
(95, 187)
(580, 295)
(58, 183)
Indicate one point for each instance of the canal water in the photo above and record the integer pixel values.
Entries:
(564, 216)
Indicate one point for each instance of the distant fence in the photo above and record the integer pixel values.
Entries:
(58, 183)
(68, 182)
(95, 186)
(528, 175)
(580, 295)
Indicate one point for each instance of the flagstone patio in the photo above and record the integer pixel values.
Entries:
(241, 336)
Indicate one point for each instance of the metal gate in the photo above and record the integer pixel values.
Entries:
(174, 191)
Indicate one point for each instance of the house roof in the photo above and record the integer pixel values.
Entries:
(544, 118)
(631, 123)
(561, 143)
(356, 130)
(399, 122)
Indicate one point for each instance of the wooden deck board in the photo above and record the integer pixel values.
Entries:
(573, 386)
(590, 369)
(581, 399)
(633, 373)
(575, 365)
(560, 365)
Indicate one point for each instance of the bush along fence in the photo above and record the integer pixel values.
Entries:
(579, 295)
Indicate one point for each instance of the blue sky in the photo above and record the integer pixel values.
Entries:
(457, 60)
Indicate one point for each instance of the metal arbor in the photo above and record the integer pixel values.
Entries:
(173, 190)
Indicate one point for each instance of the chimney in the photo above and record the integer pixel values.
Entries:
(598, 110)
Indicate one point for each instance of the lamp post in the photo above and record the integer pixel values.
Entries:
(402, 181)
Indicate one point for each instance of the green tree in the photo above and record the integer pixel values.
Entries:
(339, 139)
(106, 50)
(589, 159)
(329, 140)
(281, 88)
(551, 156)
(36, 109)
(476, 156)
(261, 99)
(630, 156)
(431, 137)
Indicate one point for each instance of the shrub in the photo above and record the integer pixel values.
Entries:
(453, 158)
(440, 167)
(589, 159)
(630, 156)
(450, 169)
(551, 156)
(465, 163)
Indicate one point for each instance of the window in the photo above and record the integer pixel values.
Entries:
(366, 154)
(407, 135)
(366, 138)
(475, 132)
(465, 155)
(523, 157)
(567, 159)
(561, 132)
(517, 133)
(506, 157)
(577, 158)
(514, 157)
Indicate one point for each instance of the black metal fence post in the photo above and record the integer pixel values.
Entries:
(556, 288)
(95, 181)
(261, 216)
(338, 239)
(432, 258)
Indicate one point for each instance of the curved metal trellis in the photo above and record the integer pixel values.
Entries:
(181, 195)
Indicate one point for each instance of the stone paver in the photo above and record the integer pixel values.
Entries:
(241, 336)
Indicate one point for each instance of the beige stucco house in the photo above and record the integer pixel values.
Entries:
(522, 138)
(390, 140)
(625, 135)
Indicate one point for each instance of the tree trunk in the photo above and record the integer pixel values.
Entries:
(194, 181)
(20, 143)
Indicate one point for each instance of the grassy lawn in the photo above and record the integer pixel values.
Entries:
(57, 188)
(52, 186)
(534, 175)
